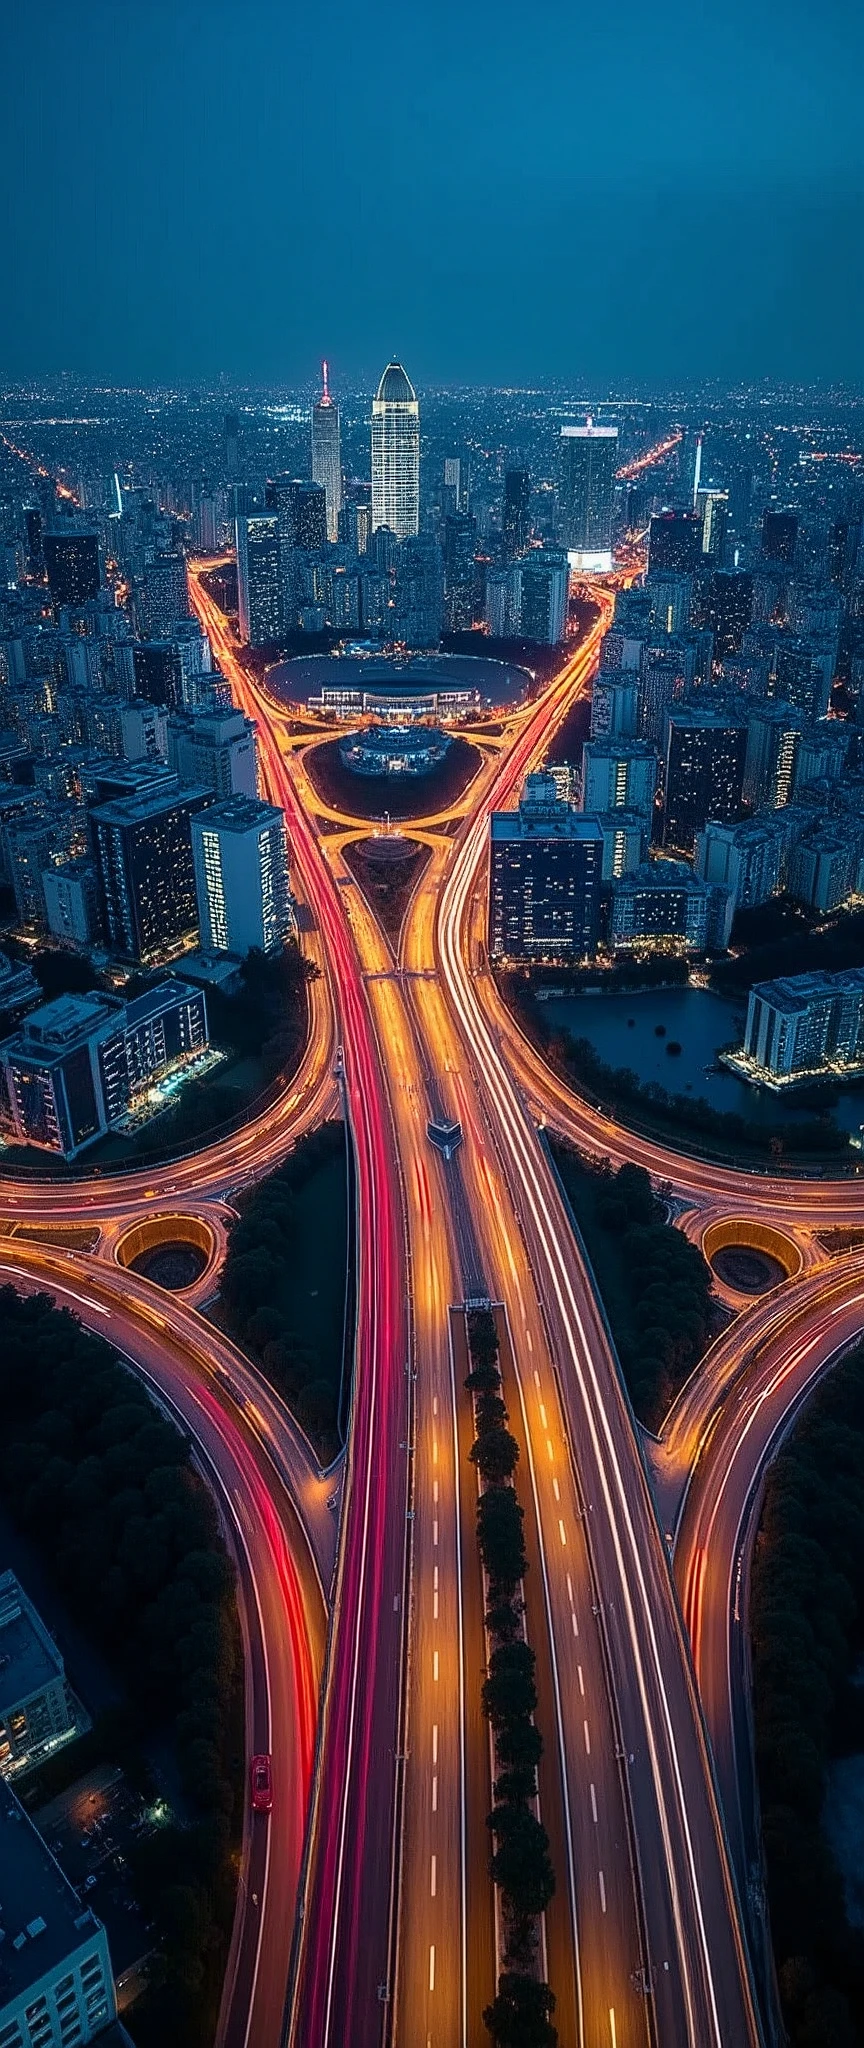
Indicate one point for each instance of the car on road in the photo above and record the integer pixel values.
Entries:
(261, 1779)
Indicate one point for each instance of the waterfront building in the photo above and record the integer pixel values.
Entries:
(804, 1025)
(662, 907)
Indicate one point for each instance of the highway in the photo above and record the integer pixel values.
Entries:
(279, 1594)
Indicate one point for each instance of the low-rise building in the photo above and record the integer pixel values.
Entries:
(76, 1066)
(56, 1982)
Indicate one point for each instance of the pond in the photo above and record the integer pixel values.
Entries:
(636, 1031)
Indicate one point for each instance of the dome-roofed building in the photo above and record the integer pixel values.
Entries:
(396, 454)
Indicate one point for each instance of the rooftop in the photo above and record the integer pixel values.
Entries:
(29, 1659)
(241, 814)
(395, 387)
(42, 1917)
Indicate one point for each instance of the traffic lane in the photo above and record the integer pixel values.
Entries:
(285, 1698)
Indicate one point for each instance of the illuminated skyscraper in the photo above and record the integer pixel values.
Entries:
(327, 455)
(589, 456)
(396, 454)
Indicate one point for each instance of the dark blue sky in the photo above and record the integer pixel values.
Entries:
(654, 189)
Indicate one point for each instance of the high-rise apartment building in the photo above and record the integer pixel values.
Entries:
(713, 509)
(327, 454)
(259, 579)
(241, 877)
(773, 737)
(615, 704)
(503, 610)
(546, 866)
(164, 595)
(545, 594)
(396, 454)
(214, 750)
(619, 775)
(779, 535)
(588, 460)
(143, 848)
(730, 610)
(805, 1024)
(705, 753)
(661, 907)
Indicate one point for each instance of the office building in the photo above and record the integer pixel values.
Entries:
(460, 546)
(327, 455)
(545, 596)
(259, 579)
(546, 868)
(396, 454)
(516, 510)
(307, 511)
(705, 752)
(72, 565)
(164, 595)
(805, 671)
(615, 704)
(662, 907)
(675, 543)
(773, 738)
(56, 1982)
(143, 848)
(803, 1025)
(588, 461)
(619, 775)
(36, 1711)
(665, 676)
(241, 877)
(779, 535)
(747, 859)
(671, 596)
(215, 750)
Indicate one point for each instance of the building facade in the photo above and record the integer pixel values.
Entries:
(241, 877)
(546, 867)
(56, 1984)
(327, 454)
(396, 454)
(588, 461)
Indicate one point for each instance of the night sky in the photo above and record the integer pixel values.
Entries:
(656, 190)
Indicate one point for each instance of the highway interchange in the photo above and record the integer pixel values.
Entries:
(364, 1633)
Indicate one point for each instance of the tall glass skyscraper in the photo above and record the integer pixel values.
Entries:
(396, 454)
(587, 482)
(327, 454)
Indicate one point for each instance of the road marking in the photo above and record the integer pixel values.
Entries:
(434, 1404)
(528, 1340)
(543, 1415)
(587, 1737)
(395, 1603)
(433, 1877)
(431, 1969)
(435, 1742)
(549, 1451)
(581, 1680)
(435, 1453)
(561, 1530)
(536, 1377)
(569, 1589)
(556, 1489)
(435, 1489)
(602, 1890)
(612, 2026)
(575, 1624)
(435, 1794)
(435, 1666)
(435, 1604)
(435, 1532)
(594, 1806)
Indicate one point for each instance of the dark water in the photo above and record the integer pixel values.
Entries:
(624, 1031)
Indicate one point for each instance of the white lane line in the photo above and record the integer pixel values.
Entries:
(612, 2028)
(435, 1666)
(433, 1877)
(569, 1589)
(575, 1624)
(536, 1376)
(435, 1453)
(434, 1404)
(561, 1530)
(587, 1735)
(435, 1742)
(432, 1969)
(435, 1490)
(435, 1794)
(594, 1806)
(435, 1533)
(581, 1680)
(543, 1415)
(556, 1489)
(435, 1604)
(528, 1340)
(549, 1451)
(602, 1890)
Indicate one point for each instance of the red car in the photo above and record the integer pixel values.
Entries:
(261, 1777)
